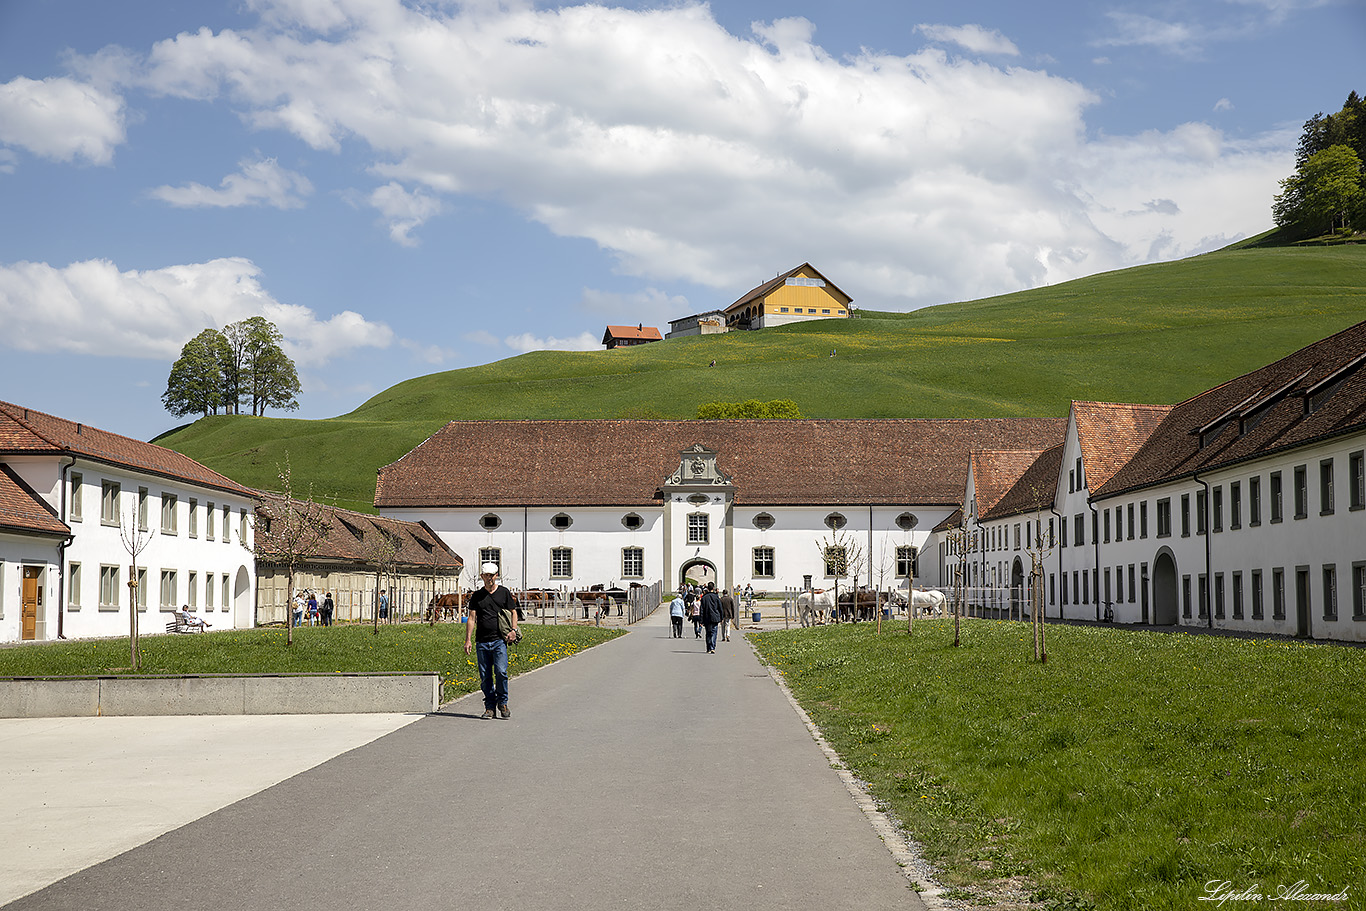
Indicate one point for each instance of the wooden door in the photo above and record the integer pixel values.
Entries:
(32, 599)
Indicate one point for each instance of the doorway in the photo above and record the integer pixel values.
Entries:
(32, 602)
(699, 571)
(1164, 589)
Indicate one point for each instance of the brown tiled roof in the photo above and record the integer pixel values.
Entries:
(994, 473)
(1031, 480)
(649, 333)
(1111, 433)
(768, 286)
(352, 536)
(29, 432)
(1314, 394)
(772, 462)
(23, 511)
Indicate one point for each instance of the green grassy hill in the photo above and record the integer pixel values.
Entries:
(1157, 333)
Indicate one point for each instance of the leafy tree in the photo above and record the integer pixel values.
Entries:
(1327, 188)
(195, 385)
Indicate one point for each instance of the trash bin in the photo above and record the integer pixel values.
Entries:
(886, 613)
(756, 616)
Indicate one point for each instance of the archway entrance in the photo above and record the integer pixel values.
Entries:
(1017, 590)
(698, 571)
(1164, 589)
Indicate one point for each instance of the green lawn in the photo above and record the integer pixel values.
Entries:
(1157, 333)
(347, 647)
(1128, 772)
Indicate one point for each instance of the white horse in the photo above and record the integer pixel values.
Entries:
(927, 603)
(814, 607)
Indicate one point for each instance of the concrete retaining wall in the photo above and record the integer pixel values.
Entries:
(302, 694)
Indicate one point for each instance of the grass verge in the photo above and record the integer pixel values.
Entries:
(405, 647)
(1133, 770)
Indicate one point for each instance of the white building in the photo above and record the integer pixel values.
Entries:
(70, 493)
(1241, 508)
(571, 504)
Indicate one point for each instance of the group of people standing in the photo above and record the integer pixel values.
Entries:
(307, 608)
(706, 609)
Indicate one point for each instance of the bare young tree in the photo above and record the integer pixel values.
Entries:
(288, 533)
(382, 553)
(136, 539)
(1039, 546)
(842, 556)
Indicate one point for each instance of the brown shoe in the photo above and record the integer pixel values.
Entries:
(503, 710)
(488, 713)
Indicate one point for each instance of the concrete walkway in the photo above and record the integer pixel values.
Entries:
(643, 773)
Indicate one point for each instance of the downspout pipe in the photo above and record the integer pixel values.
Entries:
(1062, 577)
(1209, 533)
(1095, 544)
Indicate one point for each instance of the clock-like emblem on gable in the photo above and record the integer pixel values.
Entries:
(697, 468)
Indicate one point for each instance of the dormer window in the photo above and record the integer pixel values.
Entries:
(763, 521)
(906, 521)
(835, 521)
(489, 521)
(632, 521)
(561, 521)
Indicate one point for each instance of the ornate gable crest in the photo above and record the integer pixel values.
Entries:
(697, 468)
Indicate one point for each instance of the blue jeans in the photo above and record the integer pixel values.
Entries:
(493, 671)
(711, 637)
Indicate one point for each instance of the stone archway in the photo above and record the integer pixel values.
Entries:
(700, 571)
(1166, 605)
(1017, 592)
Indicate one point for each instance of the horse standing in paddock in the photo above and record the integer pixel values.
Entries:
(442, 607)
(927, 603)
(814, 606)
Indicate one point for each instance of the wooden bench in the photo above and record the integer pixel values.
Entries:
(186, 623)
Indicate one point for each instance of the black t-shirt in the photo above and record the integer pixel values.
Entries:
(484, 606)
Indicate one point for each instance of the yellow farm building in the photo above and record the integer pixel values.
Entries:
(796, 296)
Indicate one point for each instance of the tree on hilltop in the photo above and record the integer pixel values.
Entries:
(241, 365)
(1325, 191)
(195, 385)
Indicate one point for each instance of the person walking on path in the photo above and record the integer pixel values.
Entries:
(727, 614)
(328, 608)
(711, 615)
(694, 612)
(483, 633)
(676, 616)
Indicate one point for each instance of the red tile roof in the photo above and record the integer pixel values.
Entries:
(774, 462)
(1009, 482)
(353, 536)
(1314, 394)
(646, 333)
(23, 511)
(28, 432)
(1111, 433)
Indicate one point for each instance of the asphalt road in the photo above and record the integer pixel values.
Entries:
(642, 774)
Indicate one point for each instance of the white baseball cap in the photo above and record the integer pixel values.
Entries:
(489, 569)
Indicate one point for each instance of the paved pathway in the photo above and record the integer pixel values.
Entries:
(643, 773)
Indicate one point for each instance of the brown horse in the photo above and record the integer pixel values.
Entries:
(443, 607)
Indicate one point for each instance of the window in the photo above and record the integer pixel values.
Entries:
(109, 503)
(1254, 501)
(1204, 596)
(560, 521)
(1052, 589)
(73, 582)
(1257, 610)
(208, 522)
(208, 591)
(227, 528)
(763, 521)
(1107, 526)
(906, 561)
(1278, 594)
(1062, 527)
(1326, 487)
(142, 588)
(1071, 481)
(1330, 591)
(1076, 587)
(1133, 589)
(1237, 596)
(109, 586)
(142, 509)
(1143, 519)
(1218, 596)
(835, 521)
(561, 562)
(1356, 480)
(226, 602)
(1185, 515)
(1119, 583)
(632, 521)
(1079, 522)
(1186, 597)
(763, 562)
(1164, 518)
(489, 521)
(1301, 492)
(698, 528)
(192, 590)
(168, 511)
(77, 489)
(1131, 523)
(633, 562)
(1085, 586)
(1235, 505)
(1017, 535)
(836, 561)
(1217, 517)
(193, 525)
(168, 589)
(242, 528)
(906, 521)
(491, 555)
(1359, 591)
(1081, 477)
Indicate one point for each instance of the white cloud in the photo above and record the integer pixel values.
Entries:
(1223, 104)
(974, 38)
(257, 183)
(403, 210)
(584, 341)
(91, 307)
(691, 153)
(61, 119)
(481, 338)
(428, 354)
(650, 306)
(1136, 29)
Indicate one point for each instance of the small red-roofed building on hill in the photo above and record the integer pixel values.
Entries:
(626, 336)
(68, 494)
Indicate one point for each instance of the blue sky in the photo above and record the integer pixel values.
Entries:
(406, 188)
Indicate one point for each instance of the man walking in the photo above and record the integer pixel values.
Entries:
(711, 615)
(727, 614)
(676, 615)
(484, 633)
